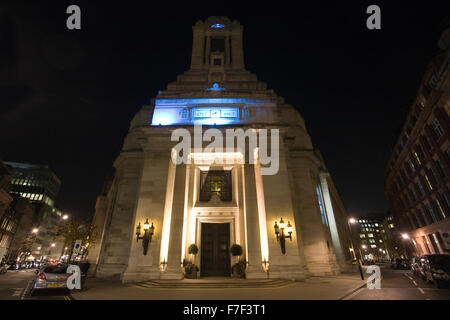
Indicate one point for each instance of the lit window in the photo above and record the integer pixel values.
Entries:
(362, 235)
(376, 224)
(417, 158)
(215, 183)
(381, 241)
(373, 245)
(391, 226)
(370, 235)
(428, 182)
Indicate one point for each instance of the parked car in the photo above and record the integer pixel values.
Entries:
(3, 268)
(435, 268)
(52, 276)
(399, 263)
(415, 265)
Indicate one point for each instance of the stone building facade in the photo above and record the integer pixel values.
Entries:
(417, 176)
(211, 203)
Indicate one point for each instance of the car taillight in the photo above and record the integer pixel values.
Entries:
(42, 276)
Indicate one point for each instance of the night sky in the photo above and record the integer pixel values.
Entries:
(67, 97)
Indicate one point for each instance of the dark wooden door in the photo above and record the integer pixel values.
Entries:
(215, 250)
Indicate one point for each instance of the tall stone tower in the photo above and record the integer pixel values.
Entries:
(214, 204)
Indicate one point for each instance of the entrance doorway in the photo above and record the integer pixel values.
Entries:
(215, 250)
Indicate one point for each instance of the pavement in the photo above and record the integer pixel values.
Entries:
(395, 285)
(314, 288)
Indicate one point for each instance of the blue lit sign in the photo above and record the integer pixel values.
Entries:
(217, 25)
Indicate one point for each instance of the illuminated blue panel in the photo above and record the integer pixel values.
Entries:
(166, 116)
(217, 25)
(190, 102)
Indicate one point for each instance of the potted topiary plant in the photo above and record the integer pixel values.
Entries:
(238, 269)
(189, 267)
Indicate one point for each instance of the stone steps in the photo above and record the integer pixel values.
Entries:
(216, 283)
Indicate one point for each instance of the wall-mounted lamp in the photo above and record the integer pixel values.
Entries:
(148, 233)
(281, 236)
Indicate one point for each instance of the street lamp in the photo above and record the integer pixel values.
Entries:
(65, 217)
(35, 230)
(281, 236)
(405, 236)
(148, 233)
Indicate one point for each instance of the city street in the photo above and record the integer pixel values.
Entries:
(15, 285)
(395, 285)
(400, 285)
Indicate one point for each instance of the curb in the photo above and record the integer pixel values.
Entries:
(351, 291)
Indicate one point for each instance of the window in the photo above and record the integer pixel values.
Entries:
(441, 168)
(323, 212)
(370, 235)
(438, 205)
(431, 212)
(422, 191)
(417, 158)
(425, 218)
(372, 240)
(411, 165)
(217, 62)
(373, 245)
(218, 44)
(362, 235)
(428, 182)
(437, 128)
(215, 183)
(414, 193)
(428, 142)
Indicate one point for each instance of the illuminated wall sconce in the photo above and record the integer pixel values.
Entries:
(148, 233)
(281, 236)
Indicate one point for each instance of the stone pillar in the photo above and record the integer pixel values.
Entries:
(236, 47)
(116, 249)
(173, 269)
(207, 51)
(331, 220)
(278, 204)
(254, 257)
(198, 44)
(151, 202)
(227, 50)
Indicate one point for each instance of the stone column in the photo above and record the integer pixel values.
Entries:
(278, 204)
(227, 50)
(198, 46)
(173, 270)
(151, 202)
(236, 47)
(254, 257)
(208, 49)
(331, 220)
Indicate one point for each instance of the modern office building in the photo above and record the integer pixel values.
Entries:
(215, 197)
(40, 186)
(417, 175)
(7, 220)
